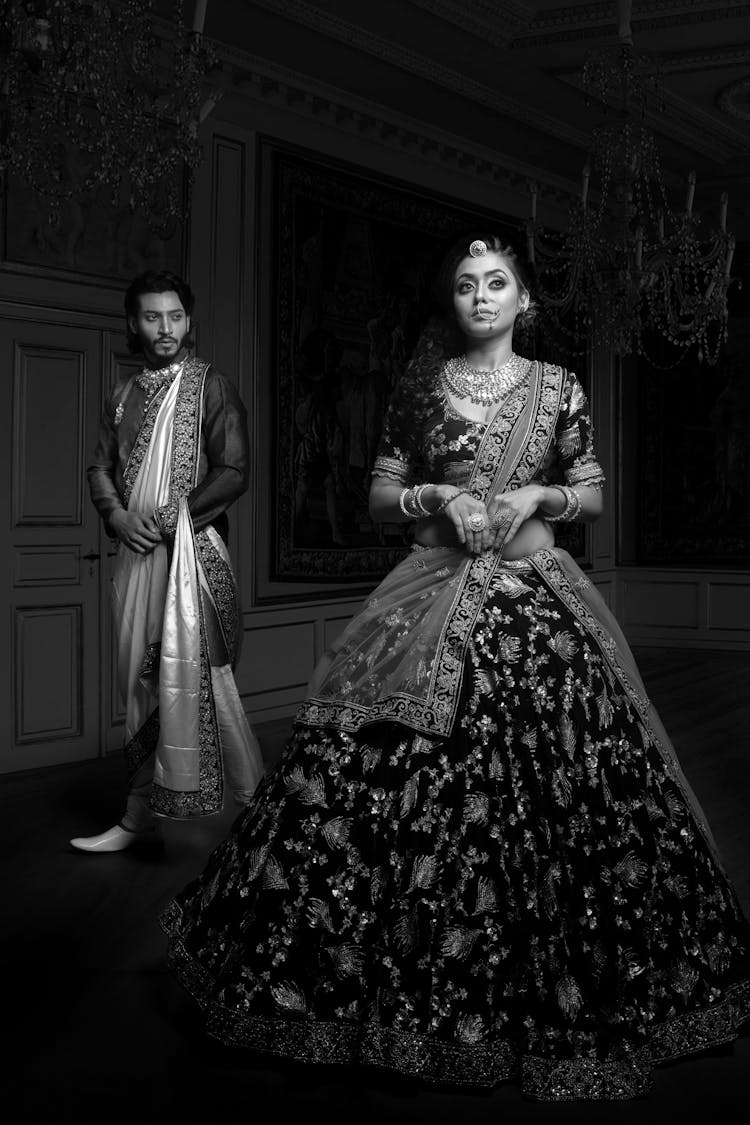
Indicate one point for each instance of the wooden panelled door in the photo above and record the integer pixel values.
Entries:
(59, 702)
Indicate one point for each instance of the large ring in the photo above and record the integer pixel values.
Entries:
(476, 521)
(502, 517)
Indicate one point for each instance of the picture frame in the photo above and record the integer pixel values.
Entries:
(345, 262)
(93, 238)
(350, 256)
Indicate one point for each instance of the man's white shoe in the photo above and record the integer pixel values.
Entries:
(117, 839)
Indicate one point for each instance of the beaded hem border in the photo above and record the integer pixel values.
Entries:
(626, 1075)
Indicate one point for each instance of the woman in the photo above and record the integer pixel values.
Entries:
(478, 858)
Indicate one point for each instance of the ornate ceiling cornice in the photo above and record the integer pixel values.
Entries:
(684, 62)
(701, 131)
(251, 77)
(684, 122)
(494, 21)
(598, 20)
(388, 51)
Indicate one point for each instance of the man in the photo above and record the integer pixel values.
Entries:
(171, 458)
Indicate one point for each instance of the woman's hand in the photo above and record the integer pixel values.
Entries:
(463, 510)
(508, 511)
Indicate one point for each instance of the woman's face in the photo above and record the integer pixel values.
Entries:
(486, 296)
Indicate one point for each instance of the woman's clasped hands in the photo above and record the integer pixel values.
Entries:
(494, 526)
(471, 521)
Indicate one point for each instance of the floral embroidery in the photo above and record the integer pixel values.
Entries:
(625, 956)
(460, 892)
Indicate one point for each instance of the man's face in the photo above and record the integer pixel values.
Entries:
(161, 325)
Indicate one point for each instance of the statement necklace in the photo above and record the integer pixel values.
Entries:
(152, 379)
(483, 387)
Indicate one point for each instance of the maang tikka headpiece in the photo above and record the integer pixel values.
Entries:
(478, 249)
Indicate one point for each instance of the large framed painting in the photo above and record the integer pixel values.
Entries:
(90, 236)
(694, 480)
(346, 264)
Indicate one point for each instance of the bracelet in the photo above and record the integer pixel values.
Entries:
(450, 499)
(572, 505)
(418, 503)
(577, 501)
(410, 502)
(407, 498)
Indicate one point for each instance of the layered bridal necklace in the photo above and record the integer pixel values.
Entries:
(483, 388)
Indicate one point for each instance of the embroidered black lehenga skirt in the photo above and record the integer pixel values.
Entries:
(531, 899)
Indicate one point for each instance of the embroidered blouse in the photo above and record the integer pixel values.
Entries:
(425, 439)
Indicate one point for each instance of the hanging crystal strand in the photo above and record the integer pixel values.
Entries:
(631, 271)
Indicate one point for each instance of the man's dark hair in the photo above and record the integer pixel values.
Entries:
(155, 281)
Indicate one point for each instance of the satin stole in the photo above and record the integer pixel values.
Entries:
(139, 584)
(164, 652)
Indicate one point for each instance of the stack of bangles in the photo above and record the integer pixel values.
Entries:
(572, 505)
(410, 502)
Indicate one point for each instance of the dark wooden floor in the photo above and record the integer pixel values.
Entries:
(98, 1032)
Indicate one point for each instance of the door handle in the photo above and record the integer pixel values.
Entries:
(91, 558)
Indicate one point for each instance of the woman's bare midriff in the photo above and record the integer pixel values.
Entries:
(533, 535)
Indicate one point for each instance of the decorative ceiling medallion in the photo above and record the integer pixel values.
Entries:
(735, 99)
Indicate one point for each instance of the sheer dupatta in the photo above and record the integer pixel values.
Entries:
(402, 656)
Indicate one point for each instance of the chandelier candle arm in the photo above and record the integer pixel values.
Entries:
(530, 223)
(210, 104)
(690, 193)
(730, 255)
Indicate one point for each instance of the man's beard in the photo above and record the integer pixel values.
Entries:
(157, 356)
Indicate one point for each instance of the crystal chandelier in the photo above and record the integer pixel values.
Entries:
(96, 100)
(632, 271)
